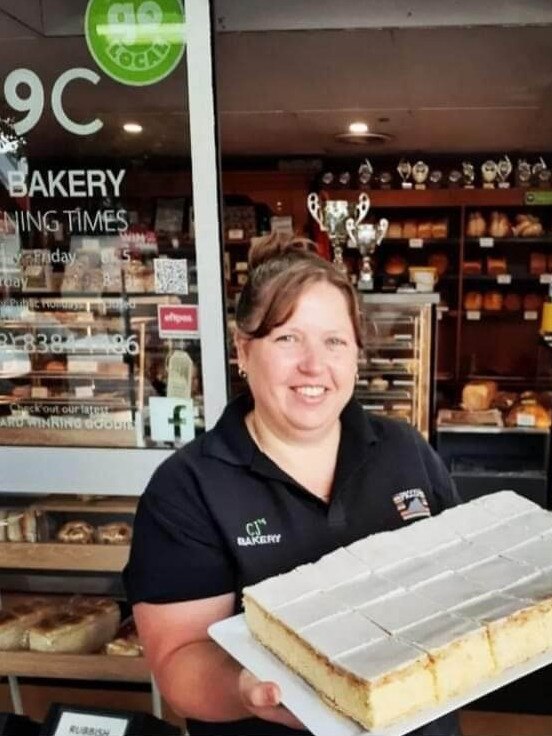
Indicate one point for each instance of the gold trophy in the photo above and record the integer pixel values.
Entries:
(332, 217)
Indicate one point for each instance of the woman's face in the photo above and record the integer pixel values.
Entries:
(302, 374)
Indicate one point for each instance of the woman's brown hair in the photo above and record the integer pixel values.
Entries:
(280, 268)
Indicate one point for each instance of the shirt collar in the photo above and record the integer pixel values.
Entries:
(231, 442)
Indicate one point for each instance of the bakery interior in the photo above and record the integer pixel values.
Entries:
(465, 266)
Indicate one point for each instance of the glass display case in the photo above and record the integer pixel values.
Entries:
(396, 367)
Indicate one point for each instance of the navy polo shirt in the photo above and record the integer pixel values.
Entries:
(219, 514)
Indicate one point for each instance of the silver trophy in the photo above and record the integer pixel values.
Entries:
(489, 173)
(523, 173)
(365, 173)
(332, 217)
(504, 170)
(468, 173)
(435, 178)
(420, 172)
(366, 237)
(541, 173)
(405, 170)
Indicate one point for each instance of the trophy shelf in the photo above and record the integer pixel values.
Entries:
(74, 666)
(436, 197)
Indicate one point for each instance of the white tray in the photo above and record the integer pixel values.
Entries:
(233, 635)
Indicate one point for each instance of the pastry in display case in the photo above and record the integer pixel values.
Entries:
(395, 368)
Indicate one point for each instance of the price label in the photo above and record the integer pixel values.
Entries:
(89, 724)
(402, 336)
(525, 420)
(530, 315)
(415, 243)
(486, 242)
(545, 278)
(473, 315)
(504, 278)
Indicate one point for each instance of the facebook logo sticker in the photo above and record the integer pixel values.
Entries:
(171, 419)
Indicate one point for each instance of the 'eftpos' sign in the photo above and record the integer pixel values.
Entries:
(178, 321)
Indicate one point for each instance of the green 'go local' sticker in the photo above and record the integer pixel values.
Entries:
(138, 42)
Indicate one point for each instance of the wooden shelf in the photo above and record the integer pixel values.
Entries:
(109, 505)
(59, 556)
(74, 666)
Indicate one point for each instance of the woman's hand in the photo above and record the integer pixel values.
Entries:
(262, 699)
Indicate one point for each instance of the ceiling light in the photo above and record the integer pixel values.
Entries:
(361, 139)
(132, 128)
(358, 128)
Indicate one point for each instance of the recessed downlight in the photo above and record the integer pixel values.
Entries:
(134, 128)
(358, 128)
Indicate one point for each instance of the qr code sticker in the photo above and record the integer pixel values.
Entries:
(171, 275)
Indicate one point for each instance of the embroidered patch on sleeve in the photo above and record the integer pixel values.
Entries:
(412, 504)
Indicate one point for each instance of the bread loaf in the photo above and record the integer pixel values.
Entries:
(115, 533)
(438, 261)
(439, 229)
(528, 412)
(410, 229)
(499, 226)
(476, 227)
(16, 622)
(478, 395)
(395, 266)
(532, 302)
(84, 628)
(537, 264)
(471, 268)
(496, 266)
(425, 230)
(492, 301)
(395, 230)
(76, 532)
(473, 301)
(126, 643)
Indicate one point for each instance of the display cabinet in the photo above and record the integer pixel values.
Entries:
(486, 459)
(396, 365)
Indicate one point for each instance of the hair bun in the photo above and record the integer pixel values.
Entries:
(276, 245)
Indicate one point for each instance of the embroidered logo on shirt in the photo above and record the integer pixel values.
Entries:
(412, 504)
(254, 531)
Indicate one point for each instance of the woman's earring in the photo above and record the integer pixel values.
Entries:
(242, 373)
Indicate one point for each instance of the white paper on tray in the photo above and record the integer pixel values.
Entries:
(233, 635)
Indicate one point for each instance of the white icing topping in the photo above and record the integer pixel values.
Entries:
(338, 567)
(379, 550)
(450, 590)
(498, 573)
(308, 610)
(401, 610)
(341, 633)
(537, 522)
(365, 589)
(506, 504)
(465, 555)
(415, 571)
(491, 608)
(537, 552)
(281, 589)
(466, 520)
(439, 631)
(375, 660)
(504, 536)
(538, 588)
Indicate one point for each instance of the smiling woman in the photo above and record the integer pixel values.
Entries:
(293, 469)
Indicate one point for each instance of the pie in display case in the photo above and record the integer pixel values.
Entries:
(396, 364)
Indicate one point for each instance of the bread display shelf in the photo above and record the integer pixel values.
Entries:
(113, 505)
(513, 241)
(74, 666)
(70, 375)
(425, 241)
(59, 556)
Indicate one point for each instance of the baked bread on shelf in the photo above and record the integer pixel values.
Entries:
(528, 412)
(492, 301)
(479, 395)
(76, 532)
(126, 642)
(528, 226)
(499, 226)
(473, 301)
(118, 532)
(476, 226)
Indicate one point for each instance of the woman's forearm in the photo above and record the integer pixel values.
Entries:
(200, 681)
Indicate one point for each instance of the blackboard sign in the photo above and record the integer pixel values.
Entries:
(12, 725)
(68, 720)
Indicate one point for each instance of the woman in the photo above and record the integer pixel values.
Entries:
(292, 470)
